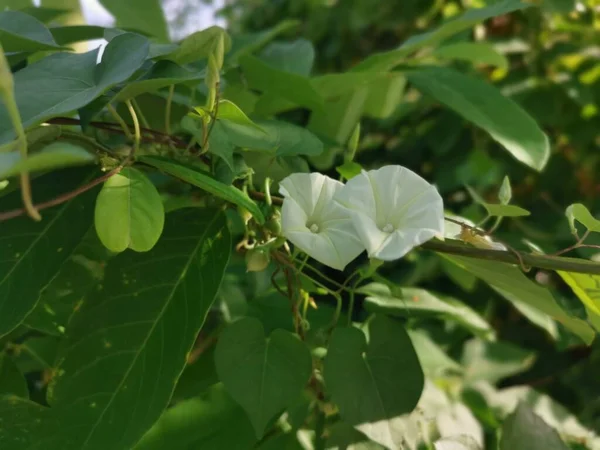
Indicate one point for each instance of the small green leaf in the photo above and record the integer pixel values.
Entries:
(20, 32)
(524, 430)
(505, 192)
(129, 212)
(349, 169)
(12, 381)
(230, 112)
(486, 107)
(54, 156)
(586, 287)
(206, 182)
(199, 45)
(374, 383)
(497, 210)
(141, 15)
(579, 212)
(262, 375)
(475, 52)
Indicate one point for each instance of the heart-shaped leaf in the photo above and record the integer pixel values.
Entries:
(262, 375)
(524, 430)
(129, 212)
(19, 32)
(373, 383)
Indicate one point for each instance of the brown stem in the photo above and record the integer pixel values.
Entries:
(262, 197)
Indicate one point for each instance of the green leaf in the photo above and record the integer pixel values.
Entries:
(54, 156)
(475, 52)
(20, 32)
(492, 361)
(559, 6)
(294, 57)
(434, 360)
(513, 285)
(160, 75)
(141, 15)
(579, 212)
(494, 209)
(376, 382)
(524, 430)
(246, 43)
(487, 108)
(201, 422)
(505, 193)
(43, 14)
(64, 82)
(349, 169)
(387, 60)
(129, 212)
(77, 33)
(413, 302)
(230, 112)
(12, 381)
(32, 251)
(295, 88)
(586, 287)
(206, 182)
(262, 375)
(199, 45)
(128, 345)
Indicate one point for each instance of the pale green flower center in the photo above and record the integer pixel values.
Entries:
(314, 228)
(388, 228)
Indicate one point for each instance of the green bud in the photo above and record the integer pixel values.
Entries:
(257, 259)
(274, 223)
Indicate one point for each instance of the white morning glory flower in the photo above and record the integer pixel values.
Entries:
(393, 210)
(314, 223)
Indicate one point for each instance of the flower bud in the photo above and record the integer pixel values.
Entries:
(257, 259)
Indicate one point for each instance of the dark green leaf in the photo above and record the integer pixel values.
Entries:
(524, 430)
(199, 45)
(510, 282)
(487, 108)
(206, 182)
(20, 32)
(376, 382)
(559, 6)
(42, 14)
(262, 375)
(32, 252)
(198, 376)
(12, 381)
(202, 423)
(129, 212)
(295, 88)
(141, 15)
(37, 354)
(64, 82)
(294, 57)
(77, 33)
(243, 44)
(54, 156)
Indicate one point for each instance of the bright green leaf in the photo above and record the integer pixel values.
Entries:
(513, 285)
(586, 287)
(232, 113)
(524, 430)
(54, 156)
(487, 108)
(373, 383)
(475, 52)
(63, 82)
(206, 182)
(199, 45)
(32, 252)
(12, 381)
(413, 302)
(201, 422)
(505, 192)
(349, 169)
(20, 32)
(580, 213)
(293, 57)
(262, 375)
(129, 212)
(498, 210)
(142, 15)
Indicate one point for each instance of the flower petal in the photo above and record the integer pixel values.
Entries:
(401, 242)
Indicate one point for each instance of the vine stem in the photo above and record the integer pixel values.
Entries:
(168, 109)
(136, 128)
(113, 112)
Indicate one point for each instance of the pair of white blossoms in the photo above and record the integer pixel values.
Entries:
(386, 212)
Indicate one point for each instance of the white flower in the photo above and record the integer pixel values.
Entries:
(393, 210)
(314, 223)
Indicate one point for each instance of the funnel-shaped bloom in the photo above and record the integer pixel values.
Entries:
(393, 210)
(314, 223)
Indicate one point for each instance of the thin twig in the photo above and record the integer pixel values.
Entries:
(260, 196)
(168, 109)
(577, 244)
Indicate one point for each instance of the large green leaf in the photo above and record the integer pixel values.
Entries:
(206, 182)
(32, 252)
(127, 346)
(77, 33)
(142, 15)
(202, 422)
(387, 60)
(294, 57)
(12, 381)
(199, 45)
(487, 108)
(513, 285)
(129, 212)
(245, 43)
(54, 156)
(475, 52)
(524, 430)
(64, 82)
(20, 32)
(374, 383)
(262, 375)
(413, 302)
